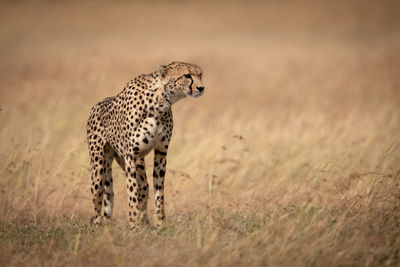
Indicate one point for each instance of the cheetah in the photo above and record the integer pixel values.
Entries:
(126, 127)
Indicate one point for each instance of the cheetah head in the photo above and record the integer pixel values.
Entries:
(182, 79)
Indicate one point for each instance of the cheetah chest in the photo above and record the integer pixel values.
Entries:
(149, 135)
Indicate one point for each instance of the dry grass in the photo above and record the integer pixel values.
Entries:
(291, 158)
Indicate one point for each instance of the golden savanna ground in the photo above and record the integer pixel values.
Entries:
(291, 158)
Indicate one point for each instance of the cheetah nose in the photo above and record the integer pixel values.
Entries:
(200, 88)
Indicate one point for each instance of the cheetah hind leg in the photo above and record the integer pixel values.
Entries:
(97, 195)
(102, 186)
(108, 192)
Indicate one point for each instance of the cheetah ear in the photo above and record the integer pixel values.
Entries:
(162, 70)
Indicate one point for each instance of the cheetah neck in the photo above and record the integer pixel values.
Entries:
(161, 99)
(173, 98)
(165, 96)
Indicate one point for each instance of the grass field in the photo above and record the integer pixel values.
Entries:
(291, 158)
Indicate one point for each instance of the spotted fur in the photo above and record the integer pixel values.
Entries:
(127, 127)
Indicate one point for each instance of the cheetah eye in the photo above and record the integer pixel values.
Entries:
(188, 76)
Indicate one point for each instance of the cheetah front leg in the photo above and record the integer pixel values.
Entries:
(160, 163)
(143, 189)
(137, 188)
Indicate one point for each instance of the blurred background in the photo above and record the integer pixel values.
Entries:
(301, 108)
